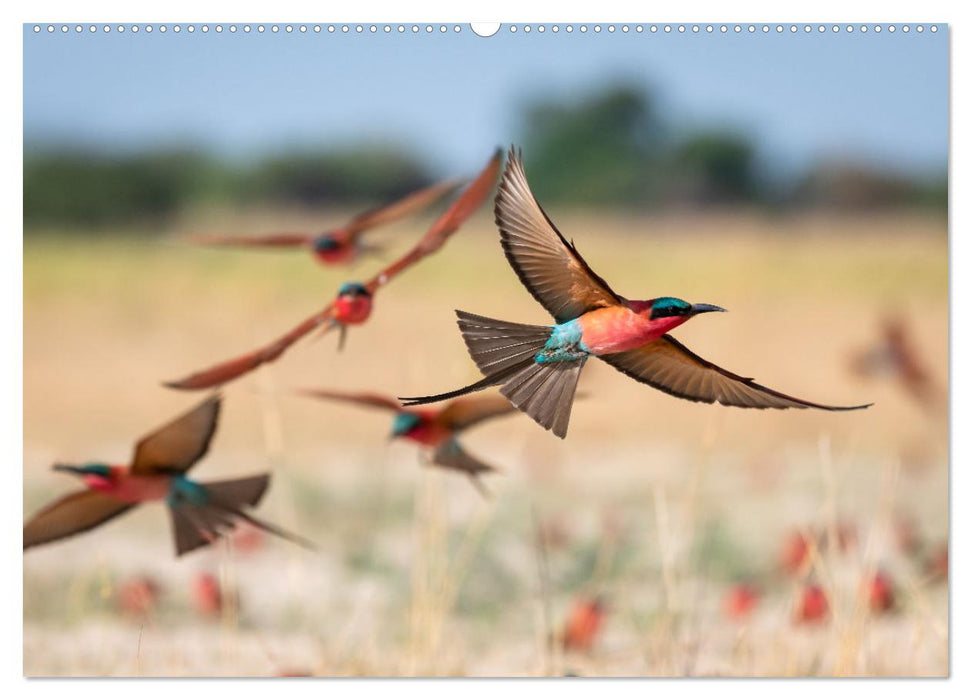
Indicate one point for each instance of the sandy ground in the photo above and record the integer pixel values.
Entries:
(658, 504)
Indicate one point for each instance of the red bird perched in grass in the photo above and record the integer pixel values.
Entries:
(436, 429)
(812, 606)
(344, 244)
(584, 624)
(354, 299)
(537, 367)
(138, 597)
(936, 565)
(740, 601)
(795, 552)
(201, 512)
(207, 594)
(880, 592)
(794, 556)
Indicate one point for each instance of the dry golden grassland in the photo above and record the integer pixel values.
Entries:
(658, 504)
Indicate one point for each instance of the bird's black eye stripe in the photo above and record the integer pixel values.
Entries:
(668, 310)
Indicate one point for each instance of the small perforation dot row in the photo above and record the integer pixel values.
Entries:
(247, 29)
(513, 29)
(723, 28)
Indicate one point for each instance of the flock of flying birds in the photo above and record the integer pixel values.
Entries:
(536, 368)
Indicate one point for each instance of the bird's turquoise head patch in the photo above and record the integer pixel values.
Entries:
(326, 244)
(354, 289)
(404, 423)
(96, 468)
(662, 307)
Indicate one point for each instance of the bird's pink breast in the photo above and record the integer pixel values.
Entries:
(618, 328)
(351, 310)
(343, 254)
(129, 487)
(429, 432)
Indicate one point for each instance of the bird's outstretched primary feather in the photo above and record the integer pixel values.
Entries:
(550, 267)
(349, 232)
(668, 365)
(416, 201)
(271, 240)
(462, 414)
(361, 398)
(75, 513)
(179, 444)
(448, 223)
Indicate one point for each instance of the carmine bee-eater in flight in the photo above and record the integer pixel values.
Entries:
(344, 244)
(436, 429)
(200, 512)
(354, 299)
(537, 367)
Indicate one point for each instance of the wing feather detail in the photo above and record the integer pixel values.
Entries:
(669, 366)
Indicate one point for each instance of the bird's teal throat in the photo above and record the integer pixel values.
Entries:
(565, 344)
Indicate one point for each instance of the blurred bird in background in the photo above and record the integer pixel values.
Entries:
(207, 594)
(879, 591)
(584, 623)
(895, 357)
(812, 605)
(137, 598)
(537, 367)
(435, 429)
(344, 244)
(740, 601)
(354, 299)
(200, 512)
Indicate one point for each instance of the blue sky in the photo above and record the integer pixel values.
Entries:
(881, 98)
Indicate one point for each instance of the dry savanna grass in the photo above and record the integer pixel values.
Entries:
(658, 505)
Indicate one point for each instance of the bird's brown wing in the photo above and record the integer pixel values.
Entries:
(416, 201)
(668, 365)
(361, 398)
(272, 240)
(177, 445)
(448, 223)
(70, 515)
(238, 366)
(547, 264)
(460, 414)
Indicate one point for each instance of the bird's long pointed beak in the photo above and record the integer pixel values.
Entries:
(69, 468)
(705, 308)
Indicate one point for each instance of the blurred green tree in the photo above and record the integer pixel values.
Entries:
(838, 184)
(713, 167)
(89, 189)
(350, 174)
(598, 150)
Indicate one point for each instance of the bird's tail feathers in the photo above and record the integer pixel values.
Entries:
(451, 456)
(506, 353)
(197, 525)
